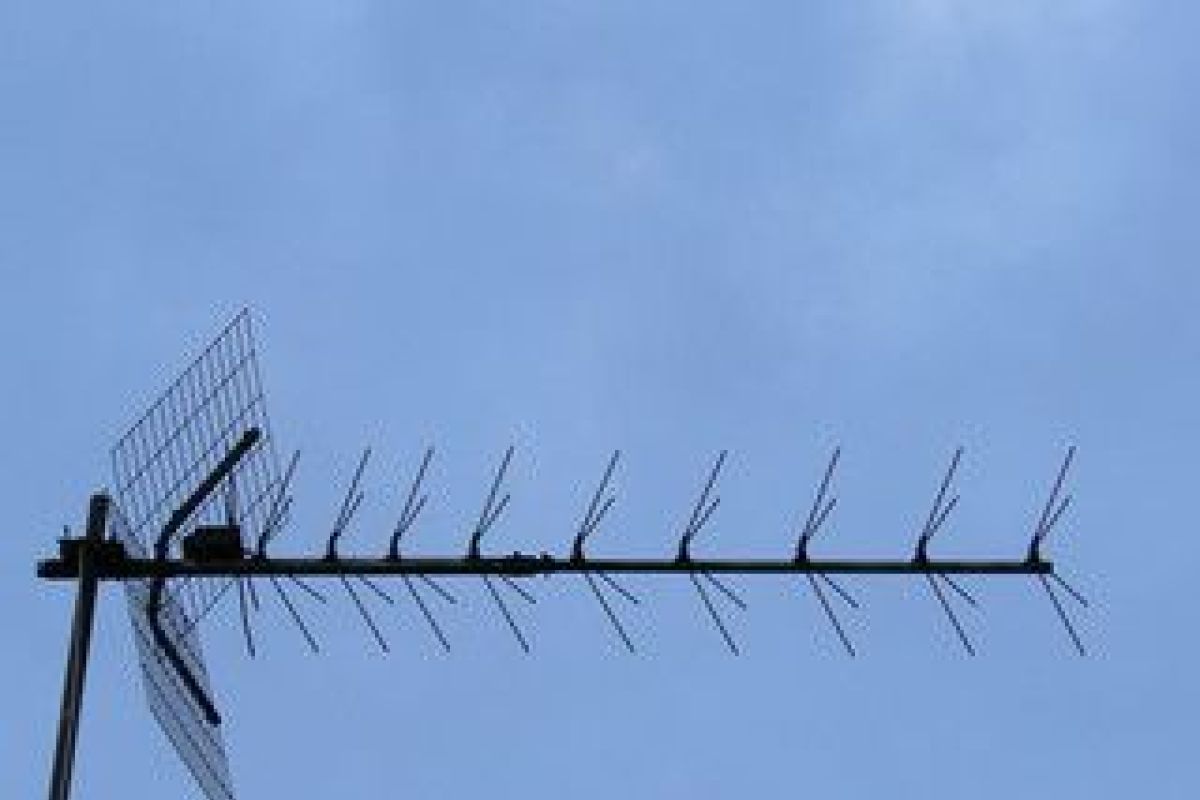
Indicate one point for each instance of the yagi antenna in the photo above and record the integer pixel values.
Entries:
(198, 504)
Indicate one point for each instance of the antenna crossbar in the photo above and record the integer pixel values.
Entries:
(124, 568)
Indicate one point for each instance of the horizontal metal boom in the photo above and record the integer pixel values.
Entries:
(525, 565)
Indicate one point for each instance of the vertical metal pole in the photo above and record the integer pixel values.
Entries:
(77, 656)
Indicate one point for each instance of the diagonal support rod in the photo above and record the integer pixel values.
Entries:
(492, 509)
(176, 522)
(414, 503)
(701, 511)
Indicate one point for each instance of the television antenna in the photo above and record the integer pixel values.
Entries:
(198, 500)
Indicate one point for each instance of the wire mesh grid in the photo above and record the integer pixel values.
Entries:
(158, 462)
(198, 743)
(156, 465)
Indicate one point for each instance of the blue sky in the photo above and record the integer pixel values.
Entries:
(670, 228)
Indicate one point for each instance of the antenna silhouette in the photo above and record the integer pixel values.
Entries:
(198, 504)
